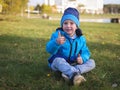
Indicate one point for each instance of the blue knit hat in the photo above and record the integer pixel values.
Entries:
(71, 14)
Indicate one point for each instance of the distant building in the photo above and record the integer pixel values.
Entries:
(63, 4)
(92, 6)
(112, 8)
(89, 6)
(49, 2)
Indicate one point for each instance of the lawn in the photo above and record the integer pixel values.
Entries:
(23, 58)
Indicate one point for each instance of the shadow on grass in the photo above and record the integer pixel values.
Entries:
(23, 65)
(23, 62)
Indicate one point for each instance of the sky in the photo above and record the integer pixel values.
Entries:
(35, 2)
(111, 1)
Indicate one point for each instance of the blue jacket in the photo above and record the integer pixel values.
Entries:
(69, 50)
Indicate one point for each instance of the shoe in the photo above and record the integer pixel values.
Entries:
(78, 79)
(66, 78)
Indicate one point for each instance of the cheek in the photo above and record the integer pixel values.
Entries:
(75, 27)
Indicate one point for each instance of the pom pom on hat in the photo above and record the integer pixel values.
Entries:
(71, 14)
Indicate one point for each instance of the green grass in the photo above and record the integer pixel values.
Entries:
(23, 58)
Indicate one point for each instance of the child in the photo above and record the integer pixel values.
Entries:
(69, 52)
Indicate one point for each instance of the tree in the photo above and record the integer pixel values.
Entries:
(13, 6)
(1, 5)
(23, 5)
(46, 9)
(38, 8)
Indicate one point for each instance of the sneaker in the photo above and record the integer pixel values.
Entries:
(66, 78)
(78, 79)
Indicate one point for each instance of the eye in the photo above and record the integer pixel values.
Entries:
(71, 23)
(65, 23)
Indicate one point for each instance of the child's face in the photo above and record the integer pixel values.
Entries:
(69, 27)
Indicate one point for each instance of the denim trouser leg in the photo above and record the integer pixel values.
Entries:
(86, 67)
(61, 65)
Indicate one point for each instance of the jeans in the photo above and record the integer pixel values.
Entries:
(60, 64)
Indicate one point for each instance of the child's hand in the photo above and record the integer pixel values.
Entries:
(79, 59)
(60, 39)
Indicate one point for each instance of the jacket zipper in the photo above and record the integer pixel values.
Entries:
(70, 52)
(76, 45)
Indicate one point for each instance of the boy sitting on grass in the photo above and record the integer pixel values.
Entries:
(69, 52)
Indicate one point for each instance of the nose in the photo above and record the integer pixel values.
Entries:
(68, 25)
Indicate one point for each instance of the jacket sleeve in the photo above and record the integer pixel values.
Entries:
(52, 46)
(85, 53)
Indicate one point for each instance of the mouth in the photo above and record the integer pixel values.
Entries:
(68, 29)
